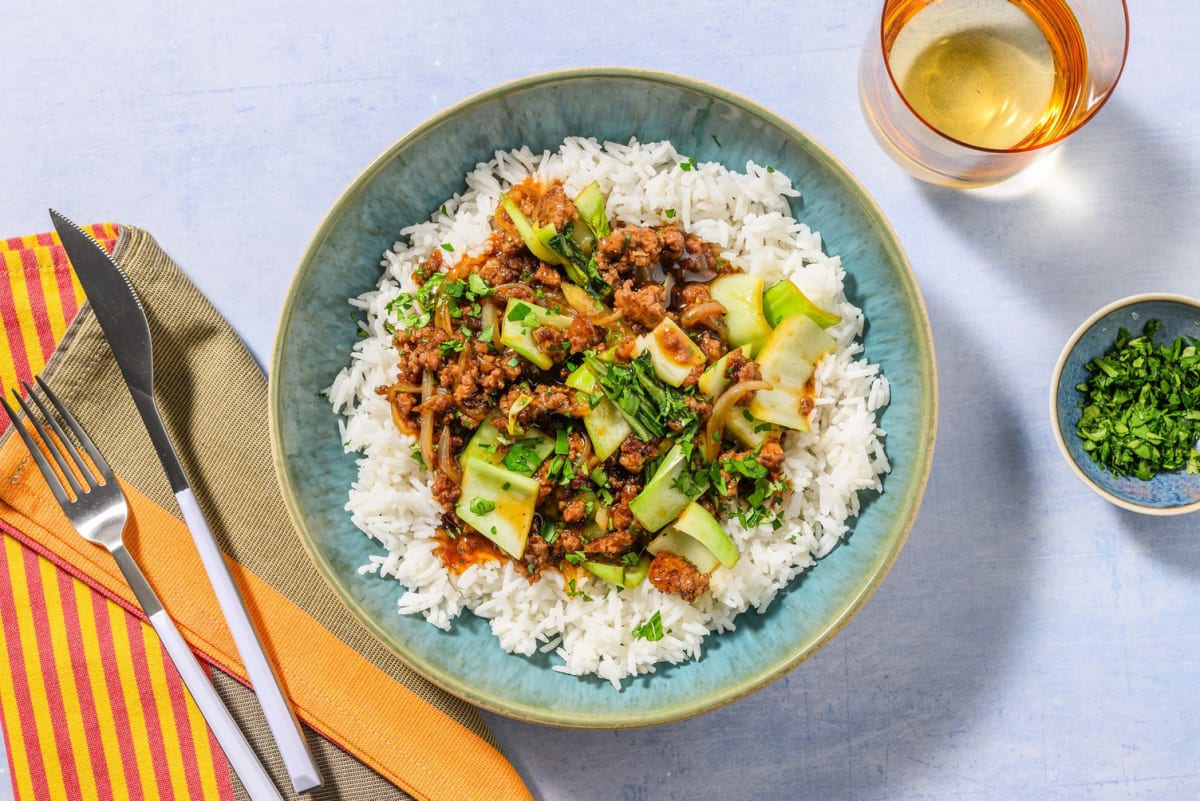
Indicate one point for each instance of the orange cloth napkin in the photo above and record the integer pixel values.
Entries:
(92, 708)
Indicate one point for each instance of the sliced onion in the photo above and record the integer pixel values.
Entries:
(605, 320)
(446, 460)
(489, 316)
(578, 299)
(721, 407)
(397, 420)
(465, 355)
(441, 315)
(401, 388)
(425, 435)
(700, 313)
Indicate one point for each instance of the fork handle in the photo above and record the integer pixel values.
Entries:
(241, 756)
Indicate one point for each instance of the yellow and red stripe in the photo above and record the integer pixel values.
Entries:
(92, 707)
(39, 296)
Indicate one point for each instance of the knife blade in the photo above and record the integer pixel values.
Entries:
(123, 320)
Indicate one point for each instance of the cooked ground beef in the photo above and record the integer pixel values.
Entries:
(454, 374)
(634, 453)
(644, 306)
(771, 456)
(674, 574)
(612, 544)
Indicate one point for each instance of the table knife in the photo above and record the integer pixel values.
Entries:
(123, 321)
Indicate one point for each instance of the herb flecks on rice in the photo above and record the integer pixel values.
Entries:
(601, 319)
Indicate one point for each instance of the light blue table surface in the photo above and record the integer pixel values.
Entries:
(1031, 642)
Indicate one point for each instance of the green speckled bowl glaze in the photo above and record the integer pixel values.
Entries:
(406, 184)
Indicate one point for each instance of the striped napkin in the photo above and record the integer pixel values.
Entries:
(91, 706)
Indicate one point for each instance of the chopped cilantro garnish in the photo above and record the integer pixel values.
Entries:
(477, 286)
(481, 506)
(415, 450)
(522, 457)
(427, 294)
(651, 630)
(573, 592)
(1141, 405)
(549, 531)
(519, 312)
(447, 247)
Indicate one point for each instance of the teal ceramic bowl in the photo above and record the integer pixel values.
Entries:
(406, 184)
(1167, 493)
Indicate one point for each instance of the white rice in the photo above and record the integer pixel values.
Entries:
(747, 215)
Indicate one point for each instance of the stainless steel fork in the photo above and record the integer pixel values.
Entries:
(97, 508)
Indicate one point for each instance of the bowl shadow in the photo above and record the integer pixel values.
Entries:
(1115, 154)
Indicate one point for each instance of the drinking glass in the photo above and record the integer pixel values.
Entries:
(967, 93)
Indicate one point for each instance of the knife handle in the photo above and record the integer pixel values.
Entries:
(293, 747)
(239, 753)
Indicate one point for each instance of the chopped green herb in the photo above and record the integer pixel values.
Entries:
(519, 312)
(478, 287)
(549, 531)
(651, 630)
(670, 214)
(522, 457)
(487, 333)
(415, 450)
(448, 247)
(1141, 405)
(576, 557)
(481, 506)
(427, 294)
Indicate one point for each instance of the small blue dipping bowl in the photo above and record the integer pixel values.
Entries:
(1167, 493)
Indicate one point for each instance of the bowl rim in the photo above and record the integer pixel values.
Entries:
(906, 516)
(1056, 380)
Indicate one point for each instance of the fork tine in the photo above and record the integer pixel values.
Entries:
(56, 487)
(63, 441)
(51, 445)
(85, 470)
(84, 440)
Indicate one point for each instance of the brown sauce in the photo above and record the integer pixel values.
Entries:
(467, 548)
